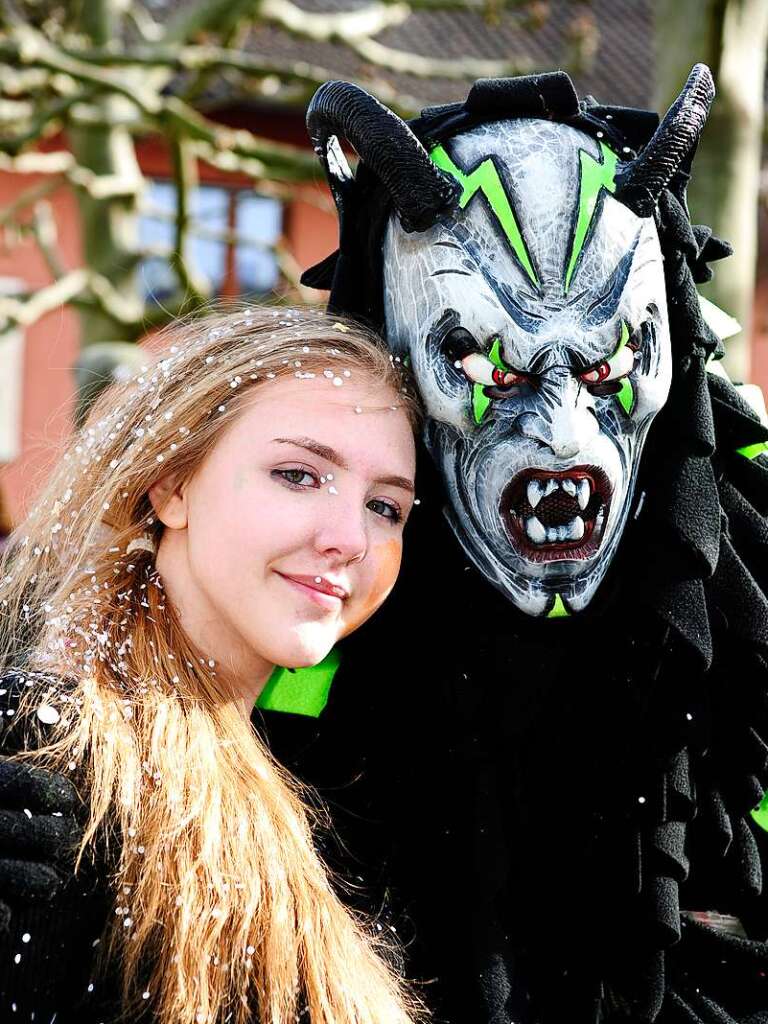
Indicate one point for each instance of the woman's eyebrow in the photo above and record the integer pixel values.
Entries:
(397, 481)
(322, 450)
(331, 455)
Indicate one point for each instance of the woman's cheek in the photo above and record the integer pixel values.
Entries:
(386, 557)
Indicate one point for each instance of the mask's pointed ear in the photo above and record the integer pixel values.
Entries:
(672, 146)
(321, 275)
(418, 190)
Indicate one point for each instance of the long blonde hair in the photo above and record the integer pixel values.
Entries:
(224, 905)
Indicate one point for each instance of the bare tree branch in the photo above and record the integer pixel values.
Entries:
(28, 197)
(344, 25)
(435, 67)
(286, 163)
(185, 177)
(205, 15)
(31, 49)
(25, 312)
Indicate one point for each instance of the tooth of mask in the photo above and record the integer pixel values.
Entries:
(551, 487)
(535, 492)
(534, 528)
(569, 486)
(583, 493)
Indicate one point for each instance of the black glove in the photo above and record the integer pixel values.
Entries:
(39, 833)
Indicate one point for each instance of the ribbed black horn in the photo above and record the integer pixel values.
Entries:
(385, 143)
(640, 186)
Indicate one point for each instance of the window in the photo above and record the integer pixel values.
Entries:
(231, 240)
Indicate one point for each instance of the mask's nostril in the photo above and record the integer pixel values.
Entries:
(458, 343)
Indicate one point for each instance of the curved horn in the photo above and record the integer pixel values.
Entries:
(640, 185)
(385, 144)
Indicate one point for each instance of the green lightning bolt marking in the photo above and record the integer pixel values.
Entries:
(594, 177)
(751, 451)
(485, 179)
(495, 355)
(626, 394)
(558, 609)
(480, 401)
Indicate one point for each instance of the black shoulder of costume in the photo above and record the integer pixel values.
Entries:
(49, 954)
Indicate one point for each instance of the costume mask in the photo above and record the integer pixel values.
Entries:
(527, 290)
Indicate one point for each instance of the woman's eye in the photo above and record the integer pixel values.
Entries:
(386, 509)
(296, 477)
(481, 370)
(618, 366)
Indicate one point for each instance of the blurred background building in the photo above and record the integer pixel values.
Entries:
(153, 157)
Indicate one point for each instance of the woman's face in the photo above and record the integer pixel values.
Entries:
(290, 533)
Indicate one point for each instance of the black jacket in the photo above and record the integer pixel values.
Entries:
(545, 810)
(50, 950)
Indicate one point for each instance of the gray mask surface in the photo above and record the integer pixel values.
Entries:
(534, 318)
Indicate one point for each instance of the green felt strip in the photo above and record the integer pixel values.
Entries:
(751, 451)
(558, 609)
(300, 691)
(760, 813)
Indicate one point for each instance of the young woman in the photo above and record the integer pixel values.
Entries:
(239, 506)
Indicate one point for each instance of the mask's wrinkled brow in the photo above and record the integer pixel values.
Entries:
(331, 455)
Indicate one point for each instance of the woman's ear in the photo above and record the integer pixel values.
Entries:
(168, 498)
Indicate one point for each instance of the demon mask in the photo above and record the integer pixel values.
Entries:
(523, 279)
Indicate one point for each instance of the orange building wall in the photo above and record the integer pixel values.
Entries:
(49, 350)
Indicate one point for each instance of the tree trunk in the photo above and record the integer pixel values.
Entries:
(732, 37)
(108, 223)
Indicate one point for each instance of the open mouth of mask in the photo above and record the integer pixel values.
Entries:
(557, 516)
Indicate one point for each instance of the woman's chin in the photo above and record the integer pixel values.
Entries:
(308, 645)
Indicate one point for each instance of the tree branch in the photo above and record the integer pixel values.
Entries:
(26, 312)
(28, 197)
(46, 115)
(31, 49)
(190, 20)
(435, 67)
(345, 26)
(46, 235)
(287, 163)
(185, 177)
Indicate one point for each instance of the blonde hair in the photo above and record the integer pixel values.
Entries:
(223, 899)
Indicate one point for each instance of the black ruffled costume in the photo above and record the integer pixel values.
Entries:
(546, 804)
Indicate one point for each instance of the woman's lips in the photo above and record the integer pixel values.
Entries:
(318, 589)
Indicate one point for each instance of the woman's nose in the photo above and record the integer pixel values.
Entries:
(343, 533)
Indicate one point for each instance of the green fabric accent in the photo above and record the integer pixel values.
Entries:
(594, 177)
(558, 609)
(751, 451)
(300, 691)
(759, 814)
(485, 178)
(480, 402)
